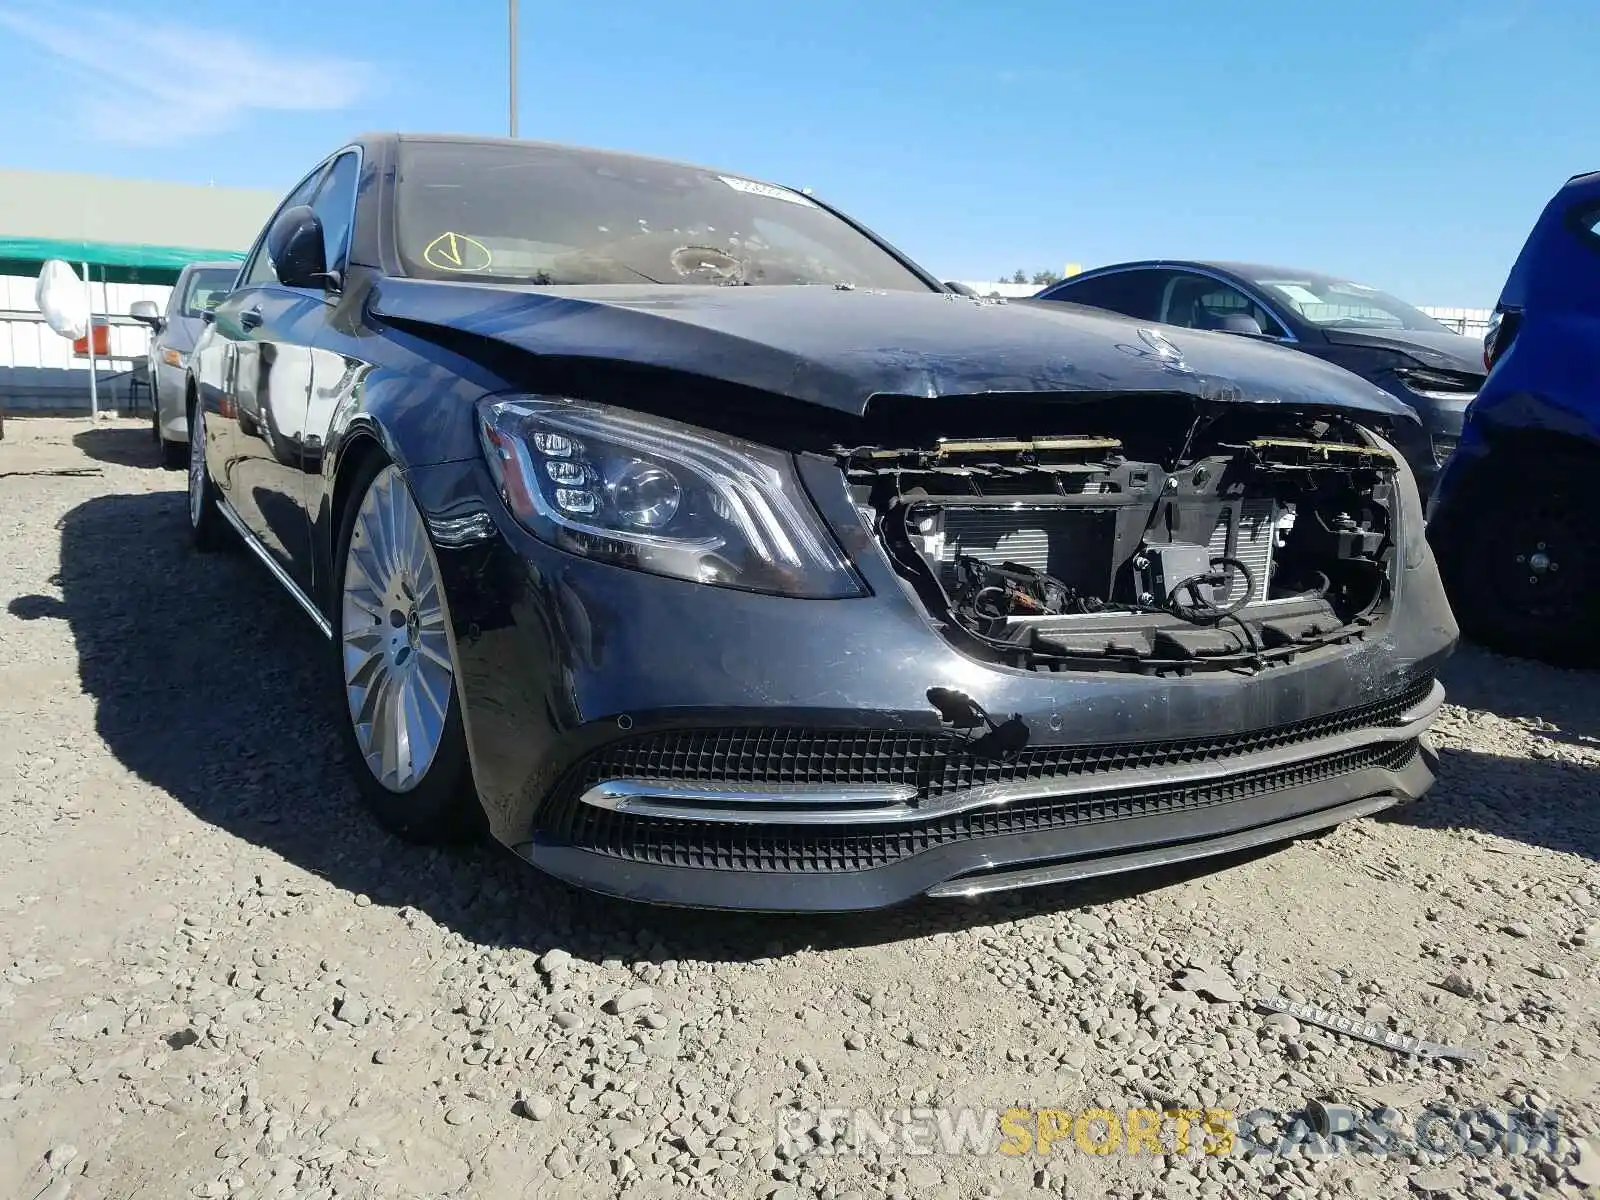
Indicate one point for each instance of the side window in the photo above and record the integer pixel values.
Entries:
(1131, 293)
(1200, 302)
(335, 207)
(259, 269)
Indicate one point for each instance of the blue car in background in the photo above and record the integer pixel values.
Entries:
(1510, 519)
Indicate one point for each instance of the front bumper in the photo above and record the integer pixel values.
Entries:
(979, 865)
(171, 415)
(754, 752)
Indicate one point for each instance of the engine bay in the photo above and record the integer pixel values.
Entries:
(1258, 537)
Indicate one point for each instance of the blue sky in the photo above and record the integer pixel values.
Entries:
(1408, 144)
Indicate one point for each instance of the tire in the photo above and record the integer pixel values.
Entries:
(392, 656)
(174, 455)
(155, 412)
(1521, 560)
(208, 529)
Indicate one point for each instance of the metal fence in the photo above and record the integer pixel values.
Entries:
(39, 373)
(1473, 322)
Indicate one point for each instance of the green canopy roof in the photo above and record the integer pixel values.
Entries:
(111, 262)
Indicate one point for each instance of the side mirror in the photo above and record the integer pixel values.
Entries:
(294, 243)
(146, 313)
(1240, 322)
(960, 289)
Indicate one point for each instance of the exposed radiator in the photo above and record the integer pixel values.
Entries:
(1074, 546)
(1064, 542)
(1257, 531)
(993, 535)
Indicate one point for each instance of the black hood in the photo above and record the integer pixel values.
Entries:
(1431, 348)
(839, 348)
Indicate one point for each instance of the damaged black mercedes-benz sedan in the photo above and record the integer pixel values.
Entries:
(706, 550)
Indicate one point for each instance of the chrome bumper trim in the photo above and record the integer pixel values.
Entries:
(283, 577)
(799, 804)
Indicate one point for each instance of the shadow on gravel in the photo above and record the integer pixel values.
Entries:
(1543, 802)
(1560, 704)
(209, 683)
(127, 446)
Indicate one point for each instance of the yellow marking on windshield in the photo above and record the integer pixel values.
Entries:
(457, 252)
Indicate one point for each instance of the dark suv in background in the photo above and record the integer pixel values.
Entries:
(1385, 340)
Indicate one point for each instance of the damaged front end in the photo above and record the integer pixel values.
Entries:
(1143, 538)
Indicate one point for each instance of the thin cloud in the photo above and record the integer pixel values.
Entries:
(1465, 32)
(145, 84)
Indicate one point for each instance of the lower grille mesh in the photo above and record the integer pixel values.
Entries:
(935, 764)
(832, 849)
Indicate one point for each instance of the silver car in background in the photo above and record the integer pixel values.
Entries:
(200, 286)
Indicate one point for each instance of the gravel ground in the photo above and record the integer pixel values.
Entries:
(219, 978)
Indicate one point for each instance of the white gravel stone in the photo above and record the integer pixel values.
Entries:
(628, 1001)
(536, 1107)
(1446, 1181)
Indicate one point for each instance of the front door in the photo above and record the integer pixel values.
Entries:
(266, 330)
(271, 386)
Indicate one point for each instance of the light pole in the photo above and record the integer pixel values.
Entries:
(512, 78)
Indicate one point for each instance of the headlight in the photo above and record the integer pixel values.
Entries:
(658, 496)
(1440, 385)
(1413, 535)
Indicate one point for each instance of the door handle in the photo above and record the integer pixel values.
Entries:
(250, 317)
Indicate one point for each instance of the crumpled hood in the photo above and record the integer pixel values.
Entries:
(1446, 350)
(839, 348)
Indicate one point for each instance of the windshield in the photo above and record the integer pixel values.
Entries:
(204, 286)
(554, 215)
(1340, 304)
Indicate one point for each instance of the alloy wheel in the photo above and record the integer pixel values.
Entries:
(397, 668)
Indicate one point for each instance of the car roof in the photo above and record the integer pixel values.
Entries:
(395, 138)
(1245, 270)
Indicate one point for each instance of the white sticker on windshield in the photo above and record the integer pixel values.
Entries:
(752, 188)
